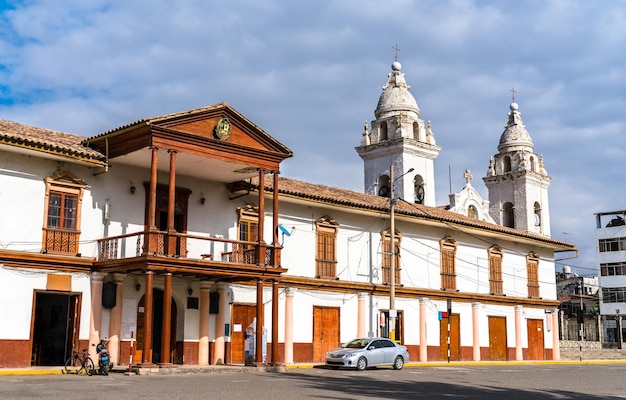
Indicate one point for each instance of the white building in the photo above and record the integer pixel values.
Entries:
(611, 237)
(177, 231)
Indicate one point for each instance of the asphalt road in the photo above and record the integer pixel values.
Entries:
(534, 382)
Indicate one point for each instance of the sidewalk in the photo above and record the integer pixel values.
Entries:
(196, 369)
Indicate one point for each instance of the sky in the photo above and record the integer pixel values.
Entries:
(310, 73)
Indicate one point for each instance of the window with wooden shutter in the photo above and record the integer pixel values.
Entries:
(326, 247)
(448, 263)
(248, 232)
(495, 270)
(532, 265)
(61, 229)
(386, 257)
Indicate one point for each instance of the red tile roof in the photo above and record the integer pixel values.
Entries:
(54, 142)
(348, 198)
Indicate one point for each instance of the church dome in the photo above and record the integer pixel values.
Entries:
(515, 135)
(396, 96)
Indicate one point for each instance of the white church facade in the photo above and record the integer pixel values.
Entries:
(177, 239)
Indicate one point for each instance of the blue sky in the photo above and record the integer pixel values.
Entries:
(310, 73)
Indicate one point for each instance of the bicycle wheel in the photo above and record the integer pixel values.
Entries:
(72, 365)
(89, 366)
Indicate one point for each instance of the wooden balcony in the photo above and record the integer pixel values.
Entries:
(177, 245)
(60, 241)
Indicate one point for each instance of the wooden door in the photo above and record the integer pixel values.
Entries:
(325, 331)
(455, 338)
(243, 315)
(535, 339)
(497, 339)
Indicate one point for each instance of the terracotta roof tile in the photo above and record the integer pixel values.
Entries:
(55, 142)
(342, 197)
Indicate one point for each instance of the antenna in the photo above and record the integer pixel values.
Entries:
(450, 178)
(284, 230)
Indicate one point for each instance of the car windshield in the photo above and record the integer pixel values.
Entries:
(357, 344)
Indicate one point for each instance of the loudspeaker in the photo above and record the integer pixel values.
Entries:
(109, 297)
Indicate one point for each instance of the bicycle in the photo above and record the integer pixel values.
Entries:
(79, 363)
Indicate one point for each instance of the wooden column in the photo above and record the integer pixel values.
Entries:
(166, 331)
(275, 299)
(147, 322)
(171, 206)
(259, 322)
(289, 325)
(261, 225)
(275, 243)
(150, 241)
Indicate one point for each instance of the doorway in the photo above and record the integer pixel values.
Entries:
(325, 331)
(157, 328)
(455, 338)
(535, 339)
(55, 327)
(243, 316)
(497, 339)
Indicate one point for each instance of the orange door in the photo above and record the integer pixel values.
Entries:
(455, 338)
(497, 339)
(535, 339)
(325, 331)
(243, 315)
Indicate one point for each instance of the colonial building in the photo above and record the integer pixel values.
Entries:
(176, 238)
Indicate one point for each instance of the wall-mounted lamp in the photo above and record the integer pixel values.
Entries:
(106, 213)
(137, 285)
(202, 199)
(132, 187)
(189, 291)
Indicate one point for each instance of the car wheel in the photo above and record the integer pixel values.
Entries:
(361, 364)
(398, 363)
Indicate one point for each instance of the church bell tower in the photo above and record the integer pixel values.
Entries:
(517, 180)
(399, 139)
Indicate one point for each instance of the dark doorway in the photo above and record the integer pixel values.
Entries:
(55, 328)
(157, 327)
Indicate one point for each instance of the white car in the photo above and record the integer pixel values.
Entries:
(368, 352)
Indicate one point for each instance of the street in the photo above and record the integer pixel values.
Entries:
(476, 382)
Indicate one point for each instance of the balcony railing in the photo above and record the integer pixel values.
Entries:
(207, 248)
(61, 241)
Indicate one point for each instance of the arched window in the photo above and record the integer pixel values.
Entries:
(508, 218)
(419, 190)
(506, 164)
(447, 248)
(383, 131)
(386, 250)
(384, 186)
(537, 214)
(532, 164)
(416, 131)
(326, 247)
(495, 270)
(472, 212)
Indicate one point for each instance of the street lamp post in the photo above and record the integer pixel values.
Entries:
(392, 262)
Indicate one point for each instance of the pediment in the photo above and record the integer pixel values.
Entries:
(240, 145)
